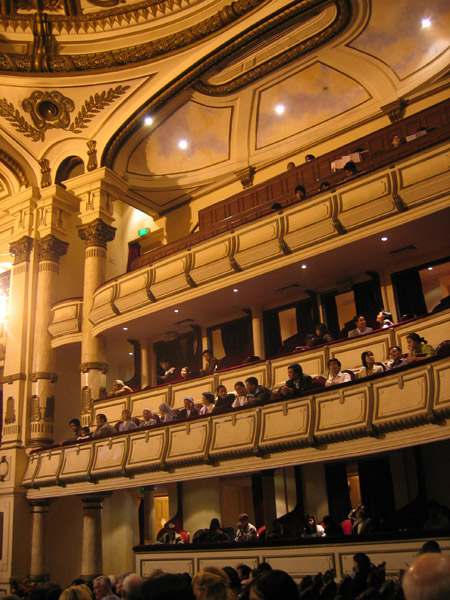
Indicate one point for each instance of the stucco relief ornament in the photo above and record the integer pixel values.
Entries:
(49, 109)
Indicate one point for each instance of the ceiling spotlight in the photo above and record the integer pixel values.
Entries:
(384, 239)
(130, 353)
(182, 144)
(279, 109)
(303, 266)
(426, 23)
(235, 290)
(176, 310)
(430, 268)
(148, 120)
(125, 328)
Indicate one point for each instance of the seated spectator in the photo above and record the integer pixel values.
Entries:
(208, 403)
(168, 415)
(103, 429)
(430, 547)
(241, 398)
(210, 363)
(436, 519)
(312, 529)
(277, 531)
(335, 375)
(212, 584)
(84, 434)
(274, 585)
(300, 192)
(350, 169)
(131, 586)
(243, 572)
(170, 536)
(185, 373)
(127, 422)
(428, 578)
(189, 409)
(360, 326)
(418, 348)
(361, 570)
(369, 367)
(324, 186)
(235, 582)
(290, 166)
(224, 399)
(297, 383)
(216, 534)
(363, 523)
(73, 592)
(169, 371)
(147, 418)
(75, 426)
(245, 530)
(119, 389)
(103, 588)
(165, 586)
(396, 358)
(331, 528)
(396, 141)
(309, 157)
(276, 207)
(323, 336)
(384, 318)
(256, 392)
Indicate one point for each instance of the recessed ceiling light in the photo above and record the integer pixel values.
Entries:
(426, 23)
(430, 268)
(384, 239)
(235, 290)
(148, 120)
(125, 328)
(279, 109)
(303, 266)
(182, 144)
(130, 353)
(176, 310)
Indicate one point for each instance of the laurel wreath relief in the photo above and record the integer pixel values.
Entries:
(49, 110)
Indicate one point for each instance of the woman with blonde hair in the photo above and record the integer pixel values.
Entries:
(212, 584)
(76, 592)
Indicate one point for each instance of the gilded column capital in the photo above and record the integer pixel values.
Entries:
(96, 233)
(21, 249)
(51, 248)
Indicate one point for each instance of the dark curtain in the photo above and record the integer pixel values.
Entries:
(258, 501)
(294, 521)
(180, 352)
(377, 492)
(330, 312)
(237, 335)
(368, 299)
(339, 502)
(408, 293)
(272, 334)
(306, 322)
(134, 250)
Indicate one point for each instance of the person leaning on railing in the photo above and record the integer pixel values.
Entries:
(418, 348)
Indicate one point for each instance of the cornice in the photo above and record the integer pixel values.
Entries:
(15, 168)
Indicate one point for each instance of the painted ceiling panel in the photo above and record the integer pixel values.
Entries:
(206, 131)
(309, 97)
(395, 33)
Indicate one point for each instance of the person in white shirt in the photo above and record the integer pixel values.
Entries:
(335, 377)
(241, 395)
(127, 422)
(208, 403)
(148, 418)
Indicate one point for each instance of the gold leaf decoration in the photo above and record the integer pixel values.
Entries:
(94, 105)
(12, 115)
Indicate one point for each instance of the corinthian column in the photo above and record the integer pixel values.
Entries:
(43, 376)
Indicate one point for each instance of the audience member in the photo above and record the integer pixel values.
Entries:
(363, 522)
(369, 367)
(312, 529)
(309, 157)
(167, 413)
(167, 586)
(296, 384)
(428, 578)
(189, 409)
(245, 530)
(384, 318)
(436, 519)
(168, 370)
(274, 585)
(103, 429)
(430, 547)
(331, 527)
(241, 398)
(119, 389)
(276, 207)
(185, 373)
(84, 434)
(119, 582)
(396, 358)
(350, 169)
(361, 327)
(256, 392)
(325, 185)
(361, 570)
(147, 418)
(396, 141)
(224, 399)
(300, 192)
(212, 584)
(211, 363)
(277, 531)
(216, 534)
(73, 592)
(131, 586)
(103, 589)
(335, 375)
(127, 422)
(290, 166)
(418, 348)
(75, 426)
(208, 403)
(235, 582)
(170, 536)
(243, 572)
(323, 336)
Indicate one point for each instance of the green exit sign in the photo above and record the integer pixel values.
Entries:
(143, 231)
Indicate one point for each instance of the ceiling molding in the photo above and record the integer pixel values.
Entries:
(14, 167)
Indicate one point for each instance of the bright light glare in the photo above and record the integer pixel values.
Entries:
(430, 268)
(303, 266)
(426, 22)
(182, 144)
(279, 109)
(175, 310)
(148, 120)
(384, 239)
(235, 290)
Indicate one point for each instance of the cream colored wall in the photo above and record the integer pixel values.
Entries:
(201, 503)
(65, 534)
(315, 497)
(71, 270)
(120, 531)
